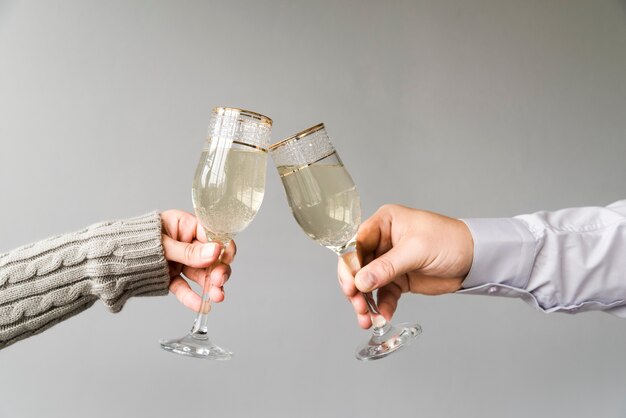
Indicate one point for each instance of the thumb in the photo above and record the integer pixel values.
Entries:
(384, 269)
(190, 254)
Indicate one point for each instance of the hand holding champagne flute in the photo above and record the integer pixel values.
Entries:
(227, 192)
(326, 205)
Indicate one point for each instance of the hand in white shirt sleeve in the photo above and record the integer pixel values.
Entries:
(570, 260)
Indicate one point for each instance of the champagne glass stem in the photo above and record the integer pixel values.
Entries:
(200, 325)
(379, 323)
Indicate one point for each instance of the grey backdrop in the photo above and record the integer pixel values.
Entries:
(470, 108)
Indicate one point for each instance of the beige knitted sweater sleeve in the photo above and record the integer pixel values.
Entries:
(46, 282)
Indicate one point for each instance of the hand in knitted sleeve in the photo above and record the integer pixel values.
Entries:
(46, 282)
(184, 243)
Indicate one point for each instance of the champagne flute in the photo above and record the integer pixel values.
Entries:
(326, 205)
(227, 192)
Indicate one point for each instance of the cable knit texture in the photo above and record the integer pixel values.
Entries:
(46, 282)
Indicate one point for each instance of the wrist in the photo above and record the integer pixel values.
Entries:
(466, 251)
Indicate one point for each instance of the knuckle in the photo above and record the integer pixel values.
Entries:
(190, 253)
(180, 294)
(388, 208)
(185, 223)
(187, 299)
(384, 268)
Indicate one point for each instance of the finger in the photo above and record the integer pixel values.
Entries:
(198, 275)
(394, 263)
(169, 222)
(194, 255)
(180, 288)
(181, 226)
(220, 274)
(346, 279)
(361, 310)
(388, 297)
(374, 235)
(229, 253)
(368, 234)
(216, 294)
(356, 298)
(200, 233)
(359, 304)
(365, 321)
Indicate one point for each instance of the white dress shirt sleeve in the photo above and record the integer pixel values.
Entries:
(570, 260)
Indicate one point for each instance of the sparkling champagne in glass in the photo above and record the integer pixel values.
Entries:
(326, 205)
(227, 192)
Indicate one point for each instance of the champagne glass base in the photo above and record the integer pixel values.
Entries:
(396, 337)
(198, 346)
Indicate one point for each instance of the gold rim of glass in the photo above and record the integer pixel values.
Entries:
(264, 119)
(297, 136)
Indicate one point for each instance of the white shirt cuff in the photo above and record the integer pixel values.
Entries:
(504, 253)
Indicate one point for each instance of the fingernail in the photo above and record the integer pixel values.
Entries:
(208, 250)
(224, 278)
(354, 264)
(378, 321)
(206, 308)
(365, 281)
